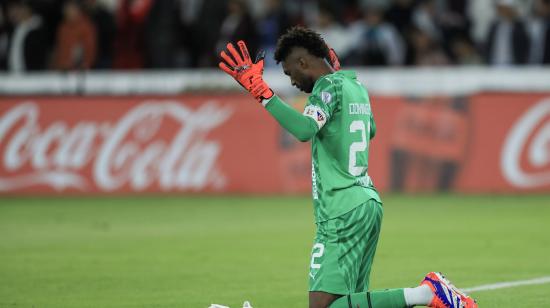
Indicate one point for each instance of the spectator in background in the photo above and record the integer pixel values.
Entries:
(238, 24)
(270, 26)
(105, 27)
(482, 14)
(51, 12)
(508, 42)
(160, 50)
(76, 39)
(426, 51)
(4, 31)
(351, 12)
(378, 42)
(425, 18)
(129, 46)
(27, 45)
(539, 30)
(187, 53)
(453, 17)
(334, 34)
(203, 30)
(442, 20)
(400, 13)
(464, 52)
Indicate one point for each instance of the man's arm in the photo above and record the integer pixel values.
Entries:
(300, 126)
(249, 75)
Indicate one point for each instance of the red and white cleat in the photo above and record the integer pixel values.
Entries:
(446, 295)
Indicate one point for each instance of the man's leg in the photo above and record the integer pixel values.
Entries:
(342, 254)
(434, 291)
(350, 241)
(359, 235)
(393, 298)
(326, 280)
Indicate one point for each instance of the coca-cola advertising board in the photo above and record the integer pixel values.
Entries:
(491, 142)
(228, 144)
(138, 144)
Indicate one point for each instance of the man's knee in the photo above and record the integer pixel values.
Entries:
(321, 299)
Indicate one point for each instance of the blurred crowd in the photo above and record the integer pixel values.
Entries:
(69, 35)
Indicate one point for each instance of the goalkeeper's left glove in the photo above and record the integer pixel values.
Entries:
(334, 61)
(247, 73)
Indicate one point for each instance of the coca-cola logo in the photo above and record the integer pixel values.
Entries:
(125, 151)
(529, 137)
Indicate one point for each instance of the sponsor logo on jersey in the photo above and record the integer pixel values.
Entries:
(326, 97)
(317, 114)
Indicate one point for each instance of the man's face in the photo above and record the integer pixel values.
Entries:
(295, 66)
(15, 13)
(506, 11)
(71, 11)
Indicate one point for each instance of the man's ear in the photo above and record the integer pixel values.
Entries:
(303, 63)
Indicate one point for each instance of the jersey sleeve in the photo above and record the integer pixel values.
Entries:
(300, 126)
(322, 101)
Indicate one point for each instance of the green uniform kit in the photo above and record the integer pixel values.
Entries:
(347, 208)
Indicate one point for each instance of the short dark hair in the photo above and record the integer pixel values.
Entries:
(301, 37)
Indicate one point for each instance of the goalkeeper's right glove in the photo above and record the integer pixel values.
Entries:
(247, 73)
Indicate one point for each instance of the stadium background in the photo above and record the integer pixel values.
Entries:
(134, 174)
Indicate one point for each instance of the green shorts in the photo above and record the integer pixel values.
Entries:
(344, 249)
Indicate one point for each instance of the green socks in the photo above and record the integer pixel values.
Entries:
(389, 298)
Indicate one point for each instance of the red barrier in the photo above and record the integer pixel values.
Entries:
(227, 143)
(510, 148)
(134, 144)
(482, 143)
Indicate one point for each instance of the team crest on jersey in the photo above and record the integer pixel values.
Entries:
(326, 97)
(320, 117)
(317, 114)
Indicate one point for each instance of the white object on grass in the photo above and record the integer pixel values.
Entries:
(246, 304)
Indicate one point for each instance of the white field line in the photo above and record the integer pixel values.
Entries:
(509, 284)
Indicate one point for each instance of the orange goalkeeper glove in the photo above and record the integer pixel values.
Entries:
(247, 73)
(334, 62)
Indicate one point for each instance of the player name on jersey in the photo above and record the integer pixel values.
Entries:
(359, 108)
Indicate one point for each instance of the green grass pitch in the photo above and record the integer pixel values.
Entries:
(159, 251)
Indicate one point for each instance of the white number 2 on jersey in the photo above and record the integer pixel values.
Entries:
(360, 146)
(317, 254)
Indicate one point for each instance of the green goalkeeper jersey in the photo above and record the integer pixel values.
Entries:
(338, 120)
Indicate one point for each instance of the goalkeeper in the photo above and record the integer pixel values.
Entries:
(348, 211)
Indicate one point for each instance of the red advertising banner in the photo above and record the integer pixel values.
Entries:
(510, 145)
(139, 144)
(493, 142)
(228, 144)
